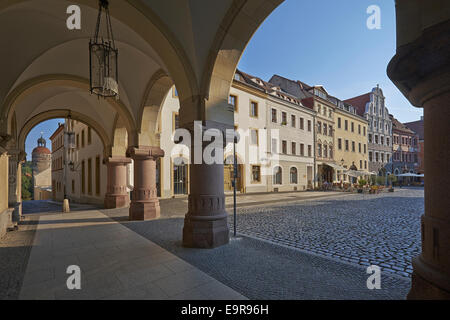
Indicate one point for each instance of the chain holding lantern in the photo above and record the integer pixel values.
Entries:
(103, 58)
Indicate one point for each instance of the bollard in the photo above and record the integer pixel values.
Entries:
(66, 207)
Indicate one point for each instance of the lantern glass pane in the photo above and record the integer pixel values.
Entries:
(103, 69)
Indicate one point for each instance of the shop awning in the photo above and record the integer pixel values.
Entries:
(356, 173)
(335, 166)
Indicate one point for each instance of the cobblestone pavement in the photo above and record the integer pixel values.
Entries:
(362, 229)
(15, 248)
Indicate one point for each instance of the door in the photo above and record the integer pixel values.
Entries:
(228, 177)
(180, 179)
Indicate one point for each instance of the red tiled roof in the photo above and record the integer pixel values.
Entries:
(398, 126)
(417, 127)
(42, 150)
(359, 103)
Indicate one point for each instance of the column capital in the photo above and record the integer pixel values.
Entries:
(117, 160)
(421, 69)
(145, 152)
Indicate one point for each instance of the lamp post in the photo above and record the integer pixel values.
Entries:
(235, 140)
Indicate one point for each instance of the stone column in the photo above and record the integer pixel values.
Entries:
(144, 202)
(205, 224)
(421, 70)
(14, 184)
(431, 277)
(116, 189)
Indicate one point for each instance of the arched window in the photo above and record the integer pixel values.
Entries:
(293, 175)
(277, 175)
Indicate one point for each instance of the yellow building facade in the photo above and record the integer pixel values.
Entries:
(351, 141)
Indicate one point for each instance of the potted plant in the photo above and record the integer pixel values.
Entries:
(362, 183)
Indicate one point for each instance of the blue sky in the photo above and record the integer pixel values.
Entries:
(322, 42)
(327, 42)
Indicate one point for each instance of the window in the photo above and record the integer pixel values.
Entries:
(365, 164)
(359, 129)
(370, 156)
(346, 125)
(293, 175)
(325, 128)
(382, 140)
(370, 138)
(319, 127)
(309, 150)
(302, 127)
(253, 109)
(302, 149)
(274, 115)
(293, 147)
(382, 157)
(89, 176)
(330, 131)
(256, 173)
(283, 118)
(277, 175)
(274, 146)
(254, 136)
(83, 175)
(360, 164)
(376, 156)
(359, 147)
(176, 121)
(232, 100)
(330, 113)
(346, 145)
(325, 151)
(353, 127)
(387, 141)
(97, 175)
(330, 150)
(353, 146)
(319, 150)
(376, 139)
(364, 131)
(293, 121)
(78, 141)
(388, 158)
(339, 123)
(340, 144)
(284, 147)
(309, 125)
(89, 136)
(82, 138)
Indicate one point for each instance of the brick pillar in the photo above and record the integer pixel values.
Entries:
(144, 202)
(116, 190)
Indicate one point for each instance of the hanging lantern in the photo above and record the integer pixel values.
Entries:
(103, 55)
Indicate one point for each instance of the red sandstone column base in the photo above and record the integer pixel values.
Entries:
(205, 232)
(116, 201)
(422, 289)
(141, 211)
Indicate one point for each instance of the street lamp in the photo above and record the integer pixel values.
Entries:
(103, 56)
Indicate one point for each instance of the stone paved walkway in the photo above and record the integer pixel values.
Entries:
(115, 263)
